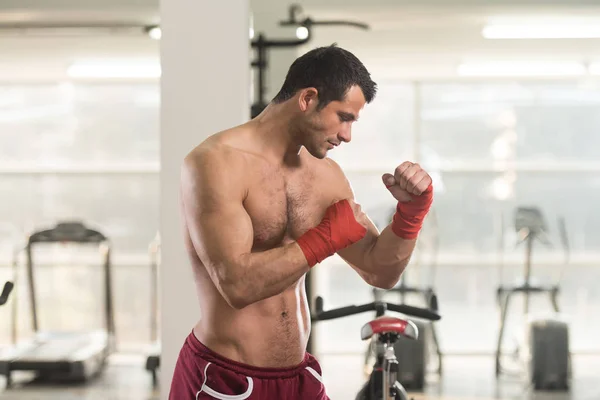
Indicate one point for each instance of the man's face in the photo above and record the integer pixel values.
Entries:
(327, 128)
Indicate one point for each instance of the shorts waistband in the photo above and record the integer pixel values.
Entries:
(249, 370)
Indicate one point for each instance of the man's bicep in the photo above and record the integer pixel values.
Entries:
(219, 226)
(220, 237)
(355, 254)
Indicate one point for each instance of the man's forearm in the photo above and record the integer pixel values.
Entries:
(387, 258)
(260, 275)
(392, 250)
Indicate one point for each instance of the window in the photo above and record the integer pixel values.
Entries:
(490, 148)
(85, 152)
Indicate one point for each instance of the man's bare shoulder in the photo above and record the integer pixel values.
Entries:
(217, 151)
(341, 180)
(215, 164)
(334, 167)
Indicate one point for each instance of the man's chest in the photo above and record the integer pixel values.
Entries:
(284, 206)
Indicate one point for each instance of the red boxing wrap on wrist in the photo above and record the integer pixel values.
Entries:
(337, 230)
(409, 217)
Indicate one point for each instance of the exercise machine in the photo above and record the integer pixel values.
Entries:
(547, 354)
(64, 356)
(385, 331)
(415, 354)
(153, 359)
(8, 287)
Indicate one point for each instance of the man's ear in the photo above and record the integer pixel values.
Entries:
(308, 98)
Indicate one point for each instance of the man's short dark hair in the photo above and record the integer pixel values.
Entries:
(332, 71)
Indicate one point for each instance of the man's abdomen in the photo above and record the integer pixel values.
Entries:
(270, 333)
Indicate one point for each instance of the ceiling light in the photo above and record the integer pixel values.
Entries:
(155, 32)
(534, 68)
(541, 31)
(302, 32)
(107, 70)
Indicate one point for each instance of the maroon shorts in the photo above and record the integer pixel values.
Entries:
(202, 374)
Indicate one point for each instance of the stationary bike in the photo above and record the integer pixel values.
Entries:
(414, 354)
(385, 331)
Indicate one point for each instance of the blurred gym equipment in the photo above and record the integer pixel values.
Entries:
(153, 359)
(8, 287)
(547, 354)
(384, 332)
(64, 356)
(414, 355)
(262, 44)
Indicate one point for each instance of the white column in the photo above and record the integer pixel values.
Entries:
(204, 89)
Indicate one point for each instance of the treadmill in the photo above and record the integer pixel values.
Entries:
(153, 359)
(64, 356)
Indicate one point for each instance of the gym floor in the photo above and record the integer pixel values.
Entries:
(464, 378)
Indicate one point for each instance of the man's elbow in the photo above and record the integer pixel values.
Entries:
(235, 295)
(387, 277)
(237, 303)
(385, 283)
(380, 281)
(230, 284)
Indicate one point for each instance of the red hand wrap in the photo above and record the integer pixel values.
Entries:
(337, 230)
(409, 217)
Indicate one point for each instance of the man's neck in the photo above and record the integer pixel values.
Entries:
(279, 141)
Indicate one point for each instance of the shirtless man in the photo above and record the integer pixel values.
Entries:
(262, 205)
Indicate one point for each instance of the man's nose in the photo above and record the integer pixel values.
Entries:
(345, 135)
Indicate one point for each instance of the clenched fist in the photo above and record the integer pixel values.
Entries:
(408, 180)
